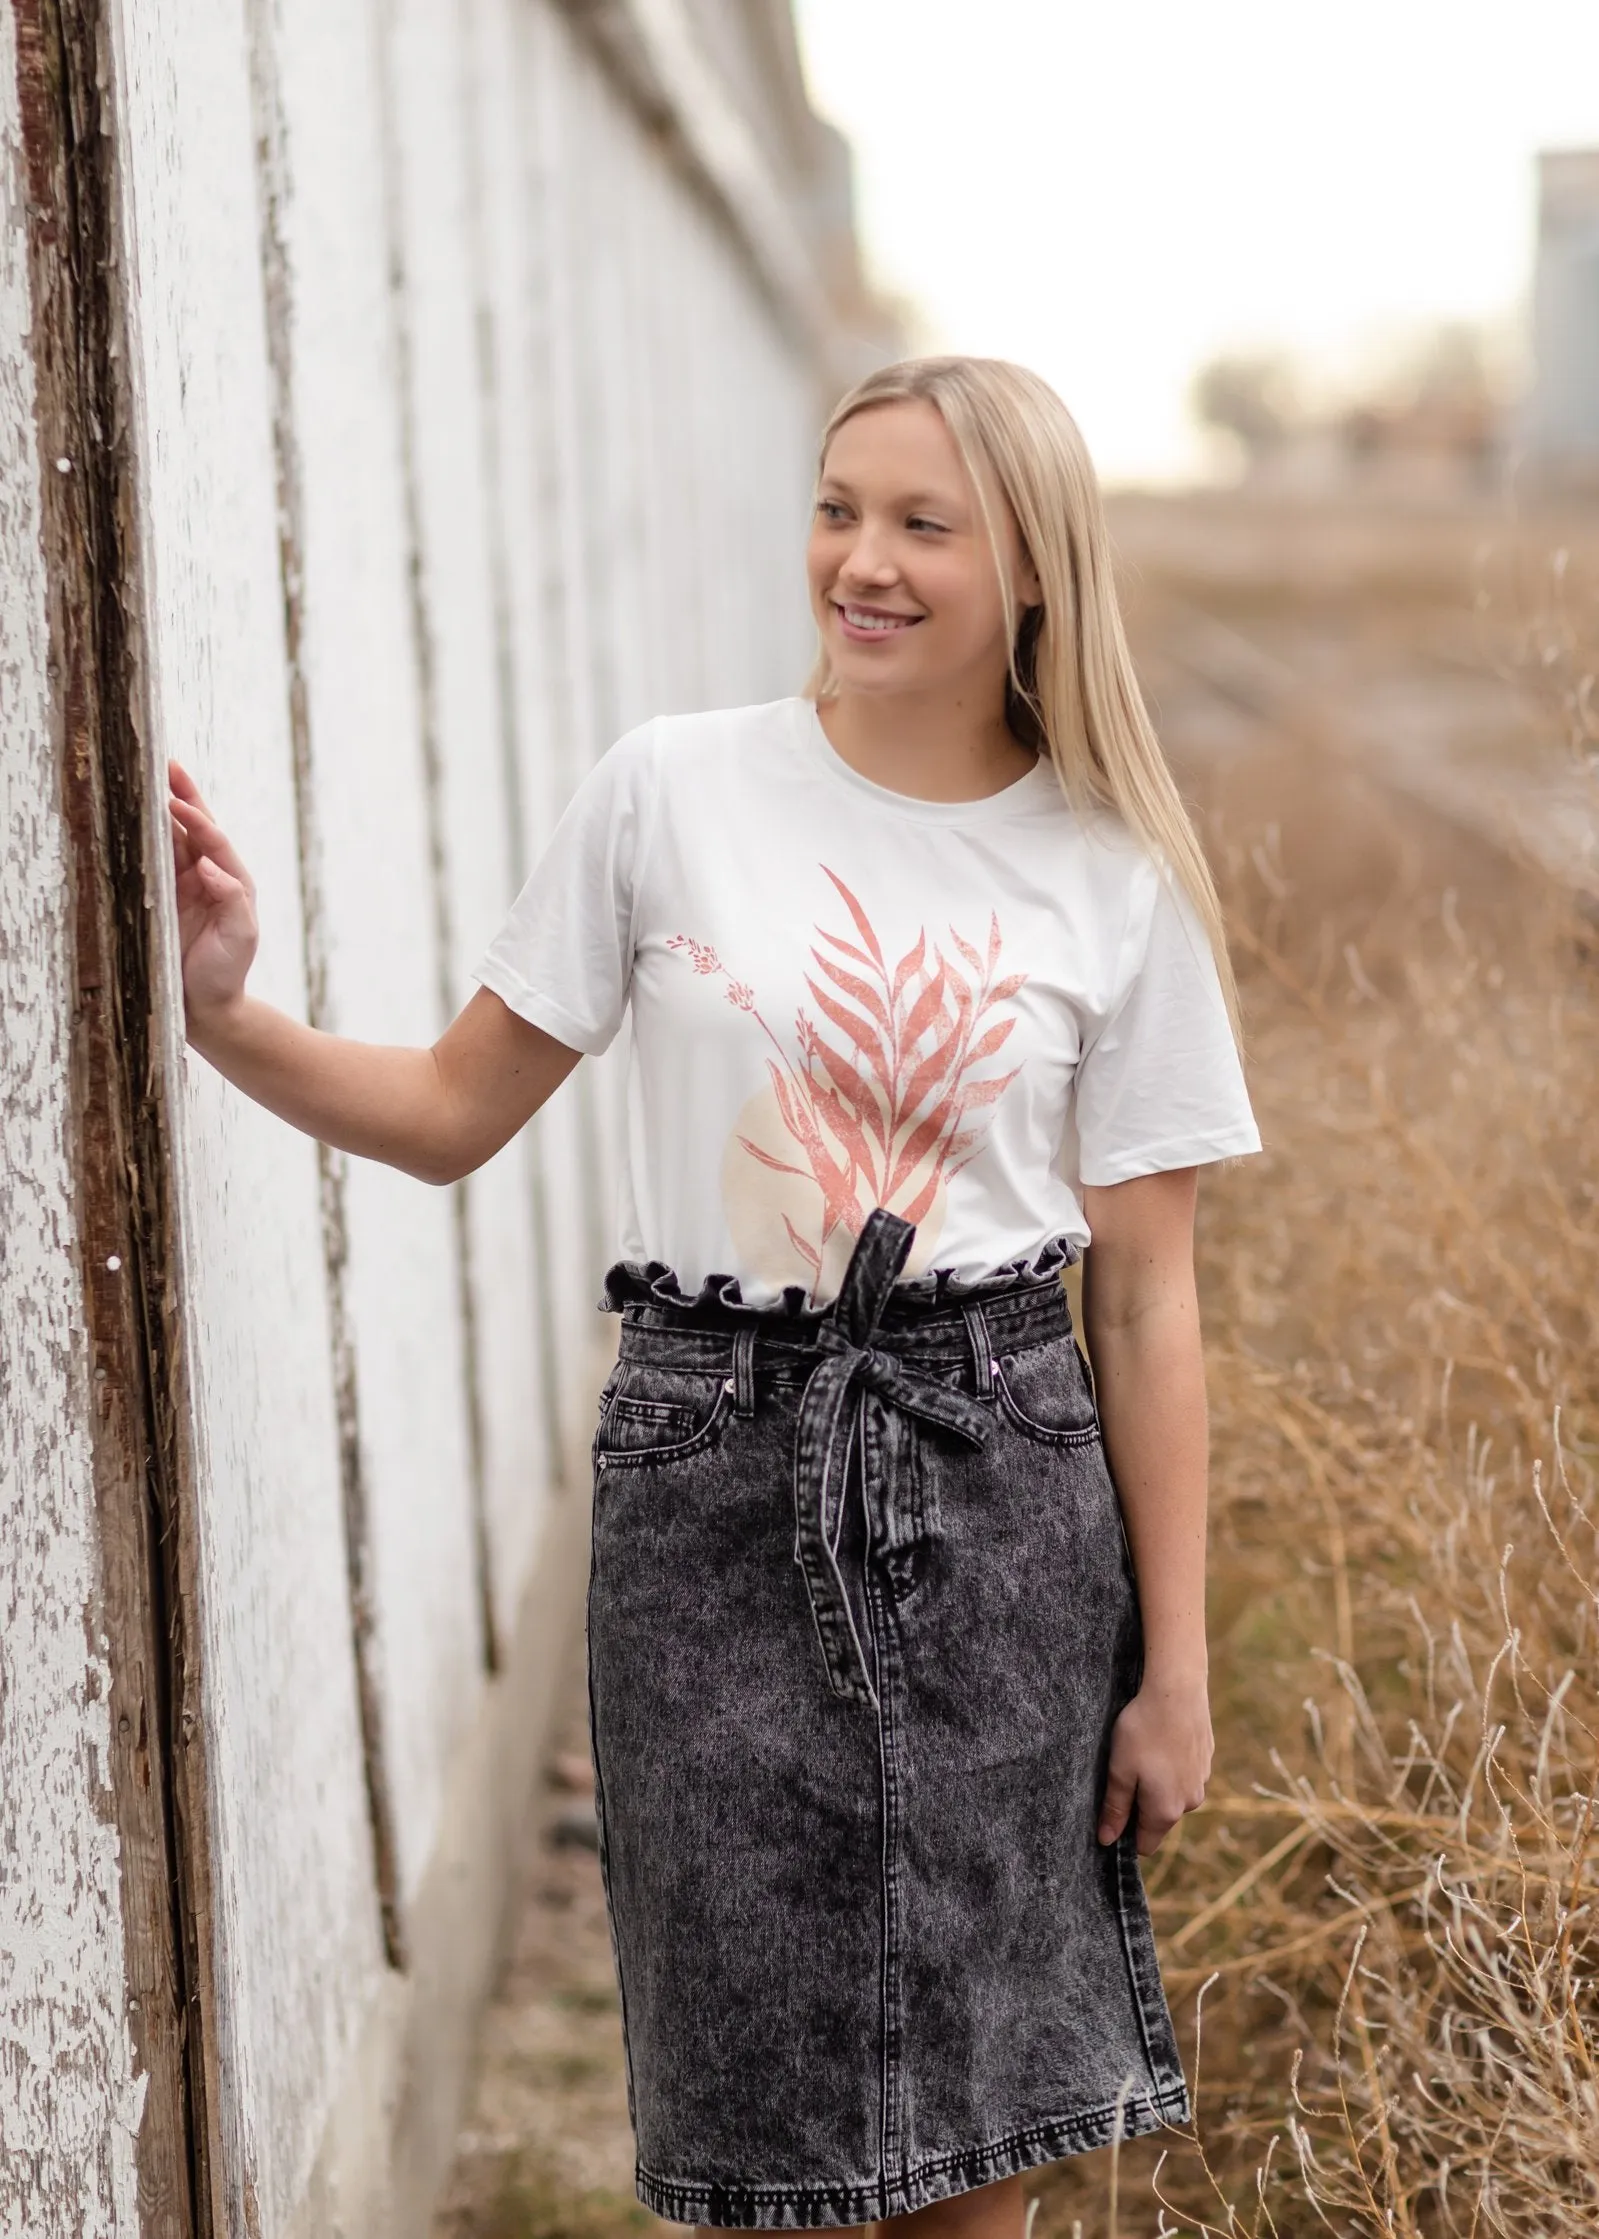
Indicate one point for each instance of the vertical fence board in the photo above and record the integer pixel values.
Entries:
(296, 1920)
(70, 2097)
(370, 791)
(553, 71)
(458, 598)
(509, 261)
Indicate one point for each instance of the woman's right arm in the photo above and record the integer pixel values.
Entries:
(436, 1113)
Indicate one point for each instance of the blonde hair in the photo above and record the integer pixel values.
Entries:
(1072, 693)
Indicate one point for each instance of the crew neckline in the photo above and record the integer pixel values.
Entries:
(1025, 794)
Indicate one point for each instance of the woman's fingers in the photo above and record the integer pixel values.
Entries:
(219, 882)
(1120, 1789)
(180, 782)
(1154, 1825)
(205, 837)
(183, 852)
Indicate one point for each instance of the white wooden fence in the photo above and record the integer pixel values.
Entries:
(398, 399)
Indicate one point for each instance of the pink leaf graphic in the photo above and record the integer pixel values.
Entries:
(986, 1092)
(909, 964)
(870, 1090)
(848, 948)
(863, 924)
(963, 1006)
(930, 1073)
(846, 1127)
(855, 1091)
(777, 1165)
(867, 997)
(807, 1252)
(857, 1030)
(920, 1141)
(927, 1006)
(920, 1204)
(986, 1044)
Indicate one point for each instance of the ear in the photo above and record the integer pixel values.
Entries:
(1029, 591)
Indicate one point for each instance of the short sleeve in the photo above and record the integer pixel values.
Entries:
(1160, 1085)
(563, 958)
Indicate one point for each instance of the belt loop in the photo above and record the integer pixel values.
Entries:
(982, 1353)
(744, 1371)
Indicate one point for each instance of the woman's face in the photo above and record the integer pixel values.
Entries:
(902, 576)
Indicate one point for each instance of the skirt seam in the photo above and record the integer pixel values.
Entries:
(604, 1850)
(1129, 1910)
(892, 2112)
(921, 2183)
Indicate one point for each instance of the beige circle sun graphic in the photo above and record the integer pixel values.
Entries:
(775, 1213)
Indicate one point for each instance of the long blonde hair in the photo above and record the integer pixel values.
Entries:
(1072, 693)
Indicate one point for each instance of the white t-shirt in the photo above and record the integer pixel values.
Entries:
(843, 997)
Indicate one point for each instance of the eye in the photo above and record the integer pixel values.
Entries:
(920, 521)
(830, 509)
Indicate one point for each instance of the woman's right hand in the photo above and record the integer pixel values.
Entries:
(217, 930)
(436, 1113)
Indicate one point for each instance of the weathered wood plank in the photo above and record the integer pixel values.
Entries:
(550, 71)
(460, 561)
(362, 669)
(524, 1450)
(272, 160)
(70, 2085)
(296, 1947)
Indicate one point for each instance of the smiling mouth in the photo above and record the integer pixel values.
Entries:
(875, 619)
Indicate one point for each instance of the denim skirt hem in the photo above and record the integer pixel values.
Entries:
(821, 2208)
(861, 1618)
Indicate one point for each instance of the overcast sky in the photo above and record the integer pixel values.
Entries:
(1115, 190)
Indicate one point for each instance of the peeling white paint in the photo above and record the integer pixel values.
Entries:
(70, 2103)
(552, 444)
(296, 1956)
(367, 761)
(435, 194)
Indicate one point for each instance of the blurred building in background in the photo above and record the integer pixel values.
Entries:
(1452, 411)
(1561, 417)
(1431, 424)
(398, 400)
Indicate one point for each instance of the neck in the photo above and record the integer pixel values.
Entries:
(932, 746)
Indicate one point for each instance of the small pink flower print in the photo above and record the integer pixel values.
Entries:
(741, 994)
(700, 953)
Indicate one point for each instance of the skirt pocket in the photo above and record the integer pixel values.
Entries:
(1045, 1392)
(650, 1415)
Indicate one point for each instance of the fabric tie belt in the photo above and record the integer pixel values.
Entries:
(831, 1418)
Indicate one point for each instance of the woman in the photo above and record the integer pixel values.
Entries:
(896, 1622)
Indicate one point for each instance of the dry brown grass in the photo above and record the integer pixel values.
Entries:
(1386, 1911)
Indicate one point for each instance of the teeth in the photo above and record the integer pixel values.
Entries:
(861, 621)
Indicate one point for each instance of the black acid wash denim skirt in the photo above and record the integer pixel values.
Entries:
(861, 1618)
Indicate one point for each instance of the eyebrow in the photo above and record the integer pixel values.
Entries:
(945, 501)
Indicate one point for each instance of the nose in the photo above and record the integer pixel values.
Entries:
(869, 561)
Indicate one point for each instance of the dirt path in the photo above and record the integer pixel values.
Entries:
(546, 2148)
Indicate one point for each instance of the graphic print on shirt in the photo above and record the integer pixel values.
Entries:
(882, 1104)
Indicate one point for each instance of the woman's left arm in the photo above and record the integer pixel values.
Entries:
(1141, 1326)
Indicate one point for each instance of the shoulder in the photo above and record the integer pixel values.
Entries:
(1115, 865)
(710, 736)
(1134, 898)
(684, 758)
